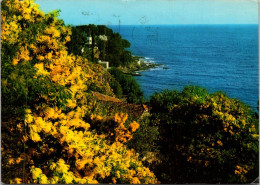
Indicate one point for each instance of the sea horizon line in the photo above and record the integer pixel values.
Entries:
(233, 24)
(176, 24)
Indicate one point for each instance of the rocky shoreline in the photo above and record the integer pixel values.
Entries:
(138, 65)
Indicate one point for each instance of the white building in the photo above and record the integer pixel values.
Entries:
(106, 63)
(102, 37)
(89, 40)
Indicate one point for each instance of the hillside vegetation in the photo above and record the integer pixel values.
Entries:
(46, 98)
(205, 138)
(67, 120)
(112, 48)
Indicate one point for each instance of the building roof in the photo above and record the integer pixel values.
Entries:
(103, 97)
(134, 109)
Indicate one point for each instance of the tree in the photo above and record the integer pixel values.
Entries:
(130, 87)
(46, 95)
(112, 50)
(206, 138)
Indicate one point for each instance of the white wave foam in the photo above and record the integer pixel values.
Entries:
(148, 58)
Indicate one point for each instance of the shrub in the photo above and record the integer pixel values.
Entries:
(117, 89)
(207, 138)
(130, 87)
(145, 138)
(46, 95)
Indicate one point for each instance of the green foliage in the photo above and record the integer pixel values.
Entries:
(145, 138)
(21, 87)
(78, 41)
(117, 89)
(205, 138)
(114, 84)
(116, 53)
(112, 50)
(130, 87)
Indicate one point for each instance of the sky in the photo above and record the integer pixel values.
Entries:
(153, 12)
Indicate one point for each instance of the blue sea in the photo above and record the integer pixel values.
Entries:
(217, 57)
